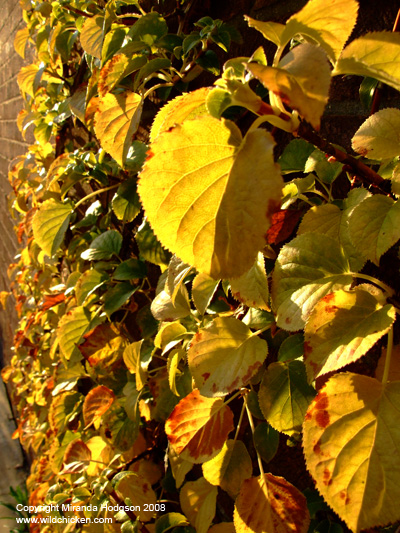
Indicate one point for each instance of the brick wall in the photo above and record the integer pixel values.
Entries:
(11, 145)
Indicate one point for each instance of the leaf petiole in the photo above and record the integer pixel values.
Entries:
(389, 351)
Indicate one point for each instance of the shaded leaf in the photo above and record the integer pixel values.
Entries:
(192, 198)
(77, 457)
(352, 448)
(87, 283)
(266, 441)
(307, 268)
(125, 203)
(130, 269)
(104, 246)
(92, 35)
(117, 296)
(137, 492)
(198, 427)
(203, 290)
(285, 395)
(169, 521)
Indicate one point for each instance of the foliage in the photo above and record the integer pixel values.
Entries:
(174, 315)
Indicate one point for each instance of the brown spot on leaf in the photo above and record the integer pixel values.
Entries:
(288, 320)
(307, 348)
(322, 419)
(327, 477)
(149, 155)
(206, 375)
(329, 297)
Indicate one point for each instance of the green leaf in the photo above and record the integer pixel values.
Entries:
(50, 223)
(104, 246)
(328, 22)
(224, 356)
(229, 468)
(125, 203)
(307, 268)
(169, 521)
(192, 198)
(374, 226)
(116, 120)
(301, 81)
(151, 67)
(252, 287)
(291, 348)
(130, 269)
(203, 289)
(117, 296)
(343, 327)
(376, 55)
(266, 441)
(150, 247)
(92, 35)
(149, 28)
(88, 282)
(325, 170)
(352, 448)
(284, 396)
(295, 155)
(71, 328)
(379, 136)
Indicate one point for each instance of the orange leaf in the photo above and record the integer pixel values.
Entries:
(50, 300)
(198, 427)
(76, 458)
(272, 505)
(96, 403)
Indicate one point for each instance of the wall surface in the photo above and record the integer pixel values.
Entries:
(11, 145)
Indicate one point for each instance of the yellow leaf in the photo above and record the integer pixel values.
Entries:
(101, 455)
(203, 187)
(76, 458)
(301, 81)
(198, 427)
(379, 136)
(50, 223)
(229, 468)
(134, 363)
(343, 327)
(271, 30)
(270, 505)
(376, 55)
(20, 41)
(92, 35)
(27, 79)
(352, 449)
(252, 287)
(116, 120)
(137, 492)
(180, 467)
(198, 500)
(183, 107)
(328, 22)
(117, 68)
(224, 356)
(203, 290)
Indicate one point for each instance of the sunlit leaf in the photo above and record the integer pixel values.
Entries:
(101, 455)
(50, 223)
(224, 356)
(252, 287)
(307, 268)
(117, 68)
(116, 120)
(137, 361)
(352, 448)
(379, 136)
(285, 395)
(374, 226)
(203, 290)
(328, 22)
(96, 403)
(271, 30)
(198, 427)
(198, 500)
(71, 328)
(183, 107)
(229, 468)
(20, 41)
(76, 458)
(167, 334)
(169, 521)
(376, 55)
(270, 505)
(137, 492)
(302, 80)
(27, 79)
(191, 194)
(92, 35)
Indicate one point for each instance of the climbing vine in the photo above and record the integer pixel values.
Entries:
(201, 306)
